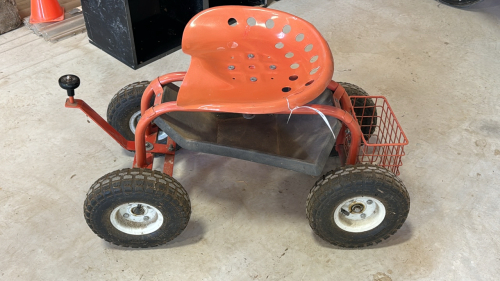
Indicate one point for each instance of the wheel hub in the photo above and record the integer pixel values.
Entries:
(359, 214)
(132, 123)
(138, 210)
(136, 218)
(357, 208)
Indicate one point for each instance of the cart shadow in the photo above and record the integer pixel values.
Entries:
(489, 7)
(191, 235)
(236, 184)
(401, 236)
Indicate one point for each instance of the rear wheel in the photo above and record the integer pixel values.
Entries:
(357, 206)
(124, 110)
(365, 111)
(137, 208)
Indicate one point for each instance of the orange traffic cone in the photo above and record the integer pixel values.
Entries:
(46, 11)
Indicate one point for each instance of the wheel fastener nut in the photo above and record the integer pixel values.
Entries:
(231, 67)
(369, 201)
(273, 67)
(363, 216)
(253, 79)
(251, 56)
(146, 218)
(126, 215)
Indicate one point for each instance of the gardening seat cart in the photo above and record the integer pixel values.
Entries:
(258, 88)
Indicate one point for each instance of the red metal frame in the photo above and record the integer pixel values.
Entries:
(340, 95)
(146, 130)
(122, 141)
(156, 87)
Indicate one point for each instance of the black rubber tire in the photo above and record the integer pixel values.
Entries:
(460, 3)
(369, 123)
(353, 90)
(356, 181)
(137, 185)
(124, 105)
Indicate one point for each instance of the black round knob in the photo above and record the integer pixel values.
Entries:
(69, 82)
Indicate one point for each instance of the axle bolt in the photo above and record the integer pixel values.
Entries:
(126, 215)
(146, 218)
(363, 216)
(369, 201)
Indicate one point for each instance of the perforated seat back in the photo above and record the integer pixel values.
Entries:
(253, 60)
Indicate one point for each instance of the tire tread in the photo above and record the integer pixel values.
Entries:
(340, 179)
(128, 181)
(127, 95)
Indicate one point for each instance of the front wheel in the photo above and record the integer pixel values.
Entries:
(357, 206)
(137, 208)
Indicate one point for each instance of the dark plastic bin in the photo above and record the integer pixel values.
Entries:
(213, 3)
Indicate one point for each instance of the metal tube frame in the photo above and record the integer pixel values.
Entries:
(146, 131)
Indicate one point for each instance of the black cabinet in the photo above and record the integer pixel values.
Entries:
(137, 32)
(213, 3)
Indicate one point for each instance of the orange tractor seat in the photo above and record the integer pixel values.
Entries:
(253, 60)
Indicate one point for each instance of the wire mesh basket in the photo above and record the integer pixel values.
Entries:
(383, 138)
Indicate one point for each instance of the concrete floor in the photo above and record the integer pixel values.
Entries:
(439, 68)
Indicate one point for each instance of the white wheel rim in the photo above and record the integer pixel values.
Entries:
(136, 218)
(132, 123)
(359, 214)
